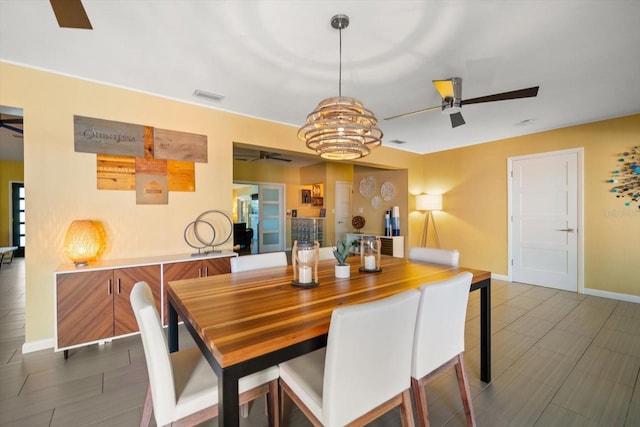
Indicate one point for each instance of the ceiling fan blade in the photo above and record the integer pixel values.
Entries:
(444, 88)
(71, 14)
(424, 110)
(456, 120)
(279, 158)
(11, 128)
(515, 94)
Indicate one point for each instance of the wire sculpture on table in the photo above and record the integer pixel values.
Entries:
(210, 229)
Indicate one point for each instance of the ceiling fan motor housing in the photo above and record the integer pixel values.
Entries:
(451, 105)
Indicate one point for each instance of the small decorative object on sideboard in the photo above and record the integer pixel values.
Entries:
(370, 254)
(83, 241)
(304, 258)
(358, 222)
(341, 252)
(210, 229)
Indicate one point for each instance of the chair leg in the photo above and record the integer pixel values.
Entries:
(406, 412)
(465, 392)
(147, 408)
(245, 409)
(420, 396)
(273, 404)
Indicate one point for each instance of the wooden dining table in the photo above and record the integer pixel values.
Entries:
(245, 322)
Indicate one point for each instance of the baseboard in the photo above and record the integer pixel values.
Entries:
(612, 295)
(31, 346)
(500, 277)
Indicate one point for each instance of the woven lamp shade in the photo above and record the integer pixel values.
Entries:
(83, 242)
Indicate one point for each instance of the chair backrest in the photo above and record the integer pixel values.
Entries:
(156, 353)
(326, 253)
(439, 333)
(437, 256)
(368, 356)
(257, 261)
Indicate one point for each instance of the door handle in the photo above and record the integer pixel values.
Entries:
(569, 230)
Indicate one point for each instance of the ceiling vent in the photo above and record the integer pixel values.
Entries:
(211, 96)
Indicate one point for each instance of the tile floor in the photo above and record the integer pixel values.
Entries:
(559, 359)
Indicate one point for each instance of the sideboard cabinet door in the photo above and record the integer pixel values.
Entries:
(85, 307)
(191, 270)
(124, 279)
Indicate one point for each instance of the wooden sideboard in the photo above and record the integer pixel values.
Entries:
(92, 303)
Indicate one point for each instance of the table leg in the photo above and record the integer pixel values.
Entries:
(173, 329)
(485, 332)
(228, 403)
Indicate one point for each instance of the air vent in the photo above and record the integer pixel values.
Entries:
(397, 141)
(208, 95)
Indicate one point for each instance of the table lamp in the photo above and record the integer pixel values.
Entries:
(82, 242)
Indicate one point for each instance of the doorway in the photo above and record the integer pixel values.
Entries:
(343, 209)
(546, 227)
(262, 207)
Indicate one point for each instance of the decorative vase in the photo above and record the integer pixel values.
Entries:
(343, 271)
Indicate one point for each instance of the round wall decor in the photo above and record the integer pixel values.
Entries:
(367, 186)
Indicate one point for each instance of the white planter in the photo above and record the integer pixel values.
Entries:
(343, 271)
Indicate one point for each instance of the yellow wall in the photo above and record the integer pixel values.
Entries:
(9, 171)
(61, 184)
(474, 219)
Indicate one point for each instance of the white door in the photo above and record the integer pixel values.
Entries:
(545, 226)
(271, 201)
(343, 210)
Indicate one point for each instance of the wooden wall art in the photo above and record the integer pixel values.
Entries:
(150, 161)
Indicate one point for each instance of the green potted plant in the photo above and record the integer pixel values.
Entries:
(341, 252)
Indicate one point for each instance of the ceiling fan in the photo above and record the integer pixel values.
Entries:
(9, 123)
(70, 14)
(260, 155)
(451, 92)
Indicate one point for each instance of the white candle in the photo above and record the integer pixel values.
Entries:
(369, 262)
(304, 274)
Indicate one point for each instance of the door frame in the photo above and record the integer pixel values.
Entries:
(579, 208)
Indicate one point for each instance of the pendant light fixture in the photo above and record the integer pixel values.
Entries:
(341, 128)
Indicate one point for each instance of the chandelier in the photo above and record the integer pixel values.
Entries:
(341, 128)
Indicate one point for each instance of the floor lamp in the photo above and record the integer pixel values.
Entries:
(429, 203)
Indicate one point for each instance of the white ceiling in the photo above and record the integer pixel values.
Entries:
(277, 59)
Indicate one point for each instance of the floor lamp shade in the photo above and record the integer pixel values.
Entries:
(83, 241)
(429, 202)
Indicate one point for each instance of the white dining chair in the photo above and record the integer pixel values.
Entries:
(358, 376)
(326, 253)
(437, 256)
(257, 261)
(183, 389)
(439, 341)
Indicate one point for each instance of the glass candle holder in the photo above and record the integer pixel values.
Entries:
(370, 254)
(304, 258)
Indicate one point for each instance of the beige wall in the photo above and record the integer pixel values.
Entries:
(9, 171)
(61, 184)
(374, 217)
(474, 220)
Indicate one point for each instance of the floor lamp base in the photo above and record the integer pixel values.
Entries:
(425, 230)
